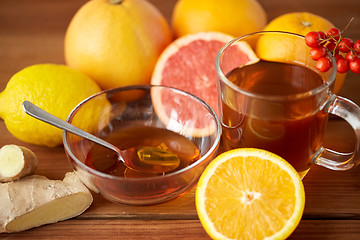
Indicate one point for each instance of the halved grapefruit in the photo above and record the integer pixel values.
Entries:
(188, 63)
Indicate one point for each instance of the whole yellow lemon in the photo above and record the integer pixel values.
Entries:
(233, 17)
(54, 88)
(116, 42)
(300, 23)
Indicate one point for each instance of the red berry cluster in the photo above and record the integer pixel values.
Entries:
(334, 42)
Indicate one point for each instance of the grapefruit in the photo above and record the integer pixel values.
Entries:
(116, 42)
(188, 63)
(233, 17)
(295, 22)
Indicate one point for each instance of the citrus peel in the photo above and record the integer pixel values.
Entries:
(188, 64)
(249, 193)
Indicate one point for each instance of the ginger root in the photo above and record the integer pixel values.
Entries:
(16, 162)
(35, 200)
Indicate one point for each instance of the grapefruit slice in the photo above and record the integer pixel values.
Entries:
(188, 63)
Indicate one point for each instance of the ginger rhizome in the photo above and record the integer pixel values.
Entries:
(16, 162)
(35, 200)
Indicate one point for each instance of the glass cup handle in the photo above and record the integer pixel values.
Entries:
(350, 112)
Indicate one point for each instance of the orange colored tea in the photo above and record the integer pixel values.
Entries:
(291, 128)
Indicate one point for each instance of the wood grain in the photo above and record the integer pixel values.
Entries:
(32, 32)
(174, 229)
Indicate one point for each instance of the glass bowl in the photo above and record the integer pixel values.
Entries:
(142, 115)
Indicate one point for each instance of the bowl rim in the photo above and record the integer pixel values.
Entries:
(212, 149)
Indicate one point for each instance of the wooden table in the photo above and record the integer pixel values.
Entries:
(32, 32)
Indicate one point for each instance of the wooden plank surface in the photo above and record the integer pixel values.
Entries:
(175, 229)
(32, 32)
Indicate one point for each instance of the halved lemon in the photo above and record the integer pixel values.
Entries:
(249, 193)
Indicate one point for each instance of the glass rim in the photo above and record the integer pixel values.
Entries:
(269, 97)
(141, 87)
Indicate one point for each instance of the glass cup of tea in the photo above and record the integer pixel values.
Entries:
(280, 102)
(158, 126)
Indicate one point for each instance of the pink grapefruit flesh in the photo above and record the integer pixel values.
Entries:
(188, 63)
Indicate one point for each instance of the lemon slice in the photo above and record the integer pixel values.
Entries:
(249, 193)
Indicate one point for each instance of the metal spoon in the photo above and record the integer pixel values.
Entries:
(160, 160)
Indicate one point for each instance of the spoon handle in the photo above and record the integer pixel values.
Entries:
(44, 116)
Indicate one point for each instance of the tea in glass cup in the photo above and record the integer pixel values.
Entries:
(281, 103)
